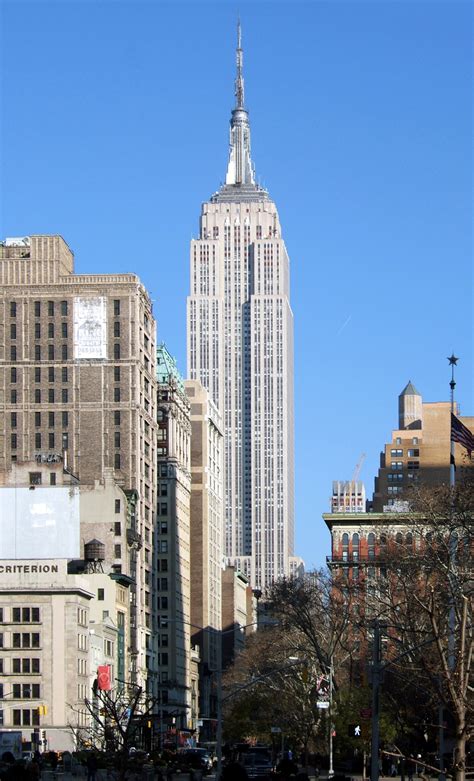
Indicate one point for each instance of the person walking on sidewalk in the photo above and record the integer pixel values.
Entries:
(91, 767)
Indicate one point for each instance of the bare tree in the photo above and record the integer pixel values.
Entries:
(117, 719)
(426, 602)
(272, 684)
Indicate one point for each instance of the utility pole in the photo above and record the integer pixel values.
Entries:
(374, 766)
(331, 725)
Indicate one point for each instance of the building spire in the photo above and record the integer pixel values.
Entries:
(239, 80)
(240, 167)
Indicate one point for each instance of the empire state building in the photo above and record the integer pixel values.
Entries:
(240, 347)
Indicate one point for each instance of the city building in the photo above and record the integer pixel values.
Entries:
(240, 347)
(64, 598)
(206, 546)
(77, 380)
(348, 496)
(238, 613)
(173, 548)
(419, 450)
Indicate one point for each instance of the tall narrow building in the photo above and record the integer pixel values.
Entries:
(240, 347)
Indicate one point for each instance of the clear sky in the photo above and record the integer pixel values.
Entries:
(115, 129)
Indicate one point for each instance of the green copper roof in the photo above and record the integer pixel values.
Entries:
(410, 390)
(166, 367)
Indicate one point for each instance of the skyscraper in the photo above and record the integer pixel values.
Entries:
(240, 346)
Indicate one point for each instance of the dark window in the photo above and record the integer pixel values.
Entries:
(117, 439)
(65, 440)
(413, 453)
(13, 419)
(37, 308)
(51, 440)
(13, 353)
(13, 331)
(13, 374)
(16, 717)
(65, 419)
(118, 551)
(64, 395)
(52, 478)
(117, 417)
(37, 352)
(16, 613)
(117, 328)
(37, 330)
(117, 373)
(164, 661)
(64, 308)
(116, 394)
(116, 307)
(50, 330)
(117, 528)
(117, 460)
(51, 374)
(164, 584)
(37, 374)
(38, 441)
(50, 308)
(51, 395)
(37, 396)
(13, 396)
(64, 352)
(116, 350)
(13, 441)
(51, 352)
(37, 419)
(16, 665)
(35, 665)
(64, 374)
(100, 594)
(117, 505)
(12, 308)
(51, 419)
(64, 330)
(164, 565)
(35, 479)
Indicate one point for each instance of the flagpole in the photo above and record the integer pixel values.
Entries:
(452, 467)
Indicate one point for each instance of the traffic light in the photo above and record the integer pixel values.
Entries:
(354, 730)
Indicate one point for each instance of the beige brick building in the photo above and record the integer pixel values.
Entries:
(419, 450)
(77, 375)
(206, 543)
(64, 598)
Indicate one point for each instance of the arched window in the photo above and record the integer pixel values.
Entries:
(409, 539)
(345, 546)
(371, 545)
(355, 547)
(399, 538)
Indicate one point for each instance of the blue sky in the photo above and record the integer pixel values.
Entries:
(115, 129)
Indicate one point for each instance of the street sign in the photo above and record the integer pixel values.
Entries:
(275, 730)
(322, 704)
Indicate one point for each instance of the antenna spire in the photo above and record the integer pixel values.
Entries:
(239, 79)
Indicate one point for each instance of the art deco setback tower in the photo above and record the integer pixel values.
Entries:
(240, 346)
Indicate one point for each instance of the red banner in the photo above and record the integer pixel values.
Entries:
(103, 678)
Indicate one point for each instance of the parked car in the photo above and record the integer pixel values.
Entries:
(197, 758)
(257, 765)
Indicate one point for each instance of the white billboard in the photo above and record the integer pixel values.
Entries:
(42, 523)
(90, 328)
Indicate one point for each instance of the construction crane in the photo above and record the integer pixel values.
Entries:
(356, 473)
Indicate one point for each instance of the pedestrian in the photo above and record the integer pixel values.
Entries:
(91, 767)
(411, 767)
(33, 770)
